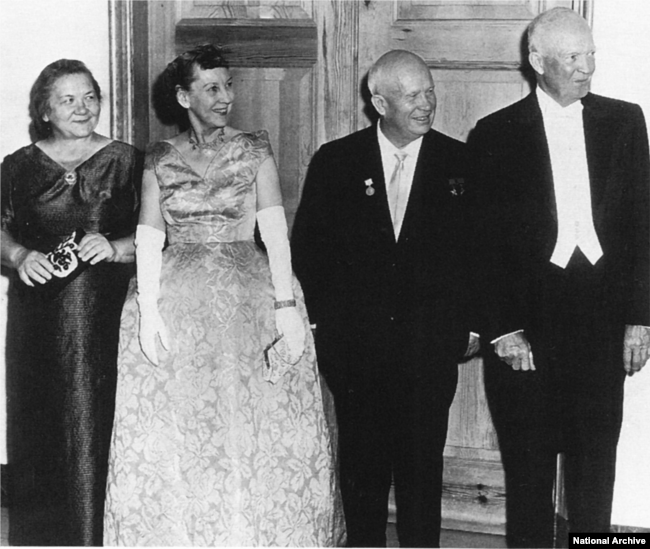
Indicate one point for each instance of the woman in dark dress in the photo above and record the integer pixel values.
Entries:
(62, 333)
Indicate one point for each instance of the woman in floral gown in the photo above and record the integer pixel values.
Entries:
(205, 450)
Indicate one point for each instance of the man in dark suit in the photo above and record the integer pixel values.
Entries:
(379, 246)
(564, 180)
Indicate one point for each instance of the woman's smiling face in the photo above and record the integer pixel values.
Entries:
(74, 107)
(209, 99)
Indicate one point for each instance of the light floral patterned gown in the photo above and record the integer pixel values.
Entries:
(204, 451)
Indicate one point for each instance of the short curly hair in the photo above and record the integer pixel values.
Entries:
(181, 73)
(39, 96)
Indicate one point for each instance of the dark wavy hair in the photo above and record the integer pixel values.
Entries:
(181, 73)
(39, 96)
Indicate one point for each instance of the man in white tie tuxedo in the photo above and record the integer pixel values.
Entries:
(564, 183)
(380, 246)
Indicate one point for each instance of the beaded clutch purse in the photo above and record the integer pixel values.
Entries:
(66, 262)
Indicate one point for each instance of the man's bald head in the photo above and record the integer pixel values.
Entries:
(545, 30)
(403, 94)
(383, 73)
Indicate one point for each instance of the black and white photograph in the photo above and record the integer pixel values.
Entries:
(325, 273)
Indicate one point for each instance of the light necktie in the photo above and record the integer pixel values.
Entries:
(394, 190)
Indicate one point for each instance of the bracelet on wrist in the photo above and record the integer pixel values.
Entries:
(283, 304)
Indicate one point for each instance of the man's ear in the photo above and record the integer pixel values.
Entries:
(536, 61)
(379, 103)
(181, 97)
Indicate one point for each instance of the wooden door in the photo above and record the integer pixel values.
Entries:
(293, 62)
(299, 69)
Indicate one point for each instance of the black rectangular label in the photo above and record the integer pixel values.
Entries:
(610, 540)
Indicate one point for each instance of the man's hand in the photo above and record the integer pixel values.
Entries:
(515, 350)
(636, 348)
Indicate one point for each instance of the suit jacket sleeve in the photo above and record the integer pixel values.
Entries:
(638, 306)
(313, 243)
(502, 287)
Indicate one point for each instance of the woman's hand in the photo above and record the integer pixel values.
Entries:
(33, 266)
(95, 247)
(152, 330)
(289, 324)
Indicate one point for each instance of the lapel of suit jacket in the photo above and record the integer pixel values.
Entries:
(425, 170)
(371, 168)
(599, 142)
(533, 128)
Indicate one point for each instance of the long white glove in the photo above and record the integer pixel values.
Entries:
(149, 243)
(289, 323)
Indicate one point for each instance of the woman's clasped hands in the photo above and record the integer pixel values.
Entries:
(34, 266)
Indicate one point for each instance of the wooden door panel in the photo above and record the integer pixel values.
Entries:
(473, 497)
(246, 10)
(470, 409)
(289, 123)
(465, 96)
(253, 43)
(439, 10)
(473, 485)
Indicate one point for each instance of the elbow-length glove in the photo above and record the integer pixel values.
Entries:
(149, 243)
(289, 323)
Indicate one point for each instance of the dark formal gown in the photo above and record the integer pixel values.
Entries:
(62, 344)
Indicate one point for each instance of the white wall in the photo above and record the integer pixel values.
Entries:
(622, 36)
(33, 33)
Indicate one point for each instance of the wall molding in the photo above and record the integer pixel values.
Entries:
(120, 19)
(254, 43)
(4, 476)
(236, 9)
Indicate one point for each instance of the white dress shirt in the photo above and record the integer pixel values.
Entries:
(389, 162)
(565, 136)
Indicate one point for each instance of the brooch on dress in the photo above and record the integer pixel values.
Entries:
(370, 190)
(70, 178)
